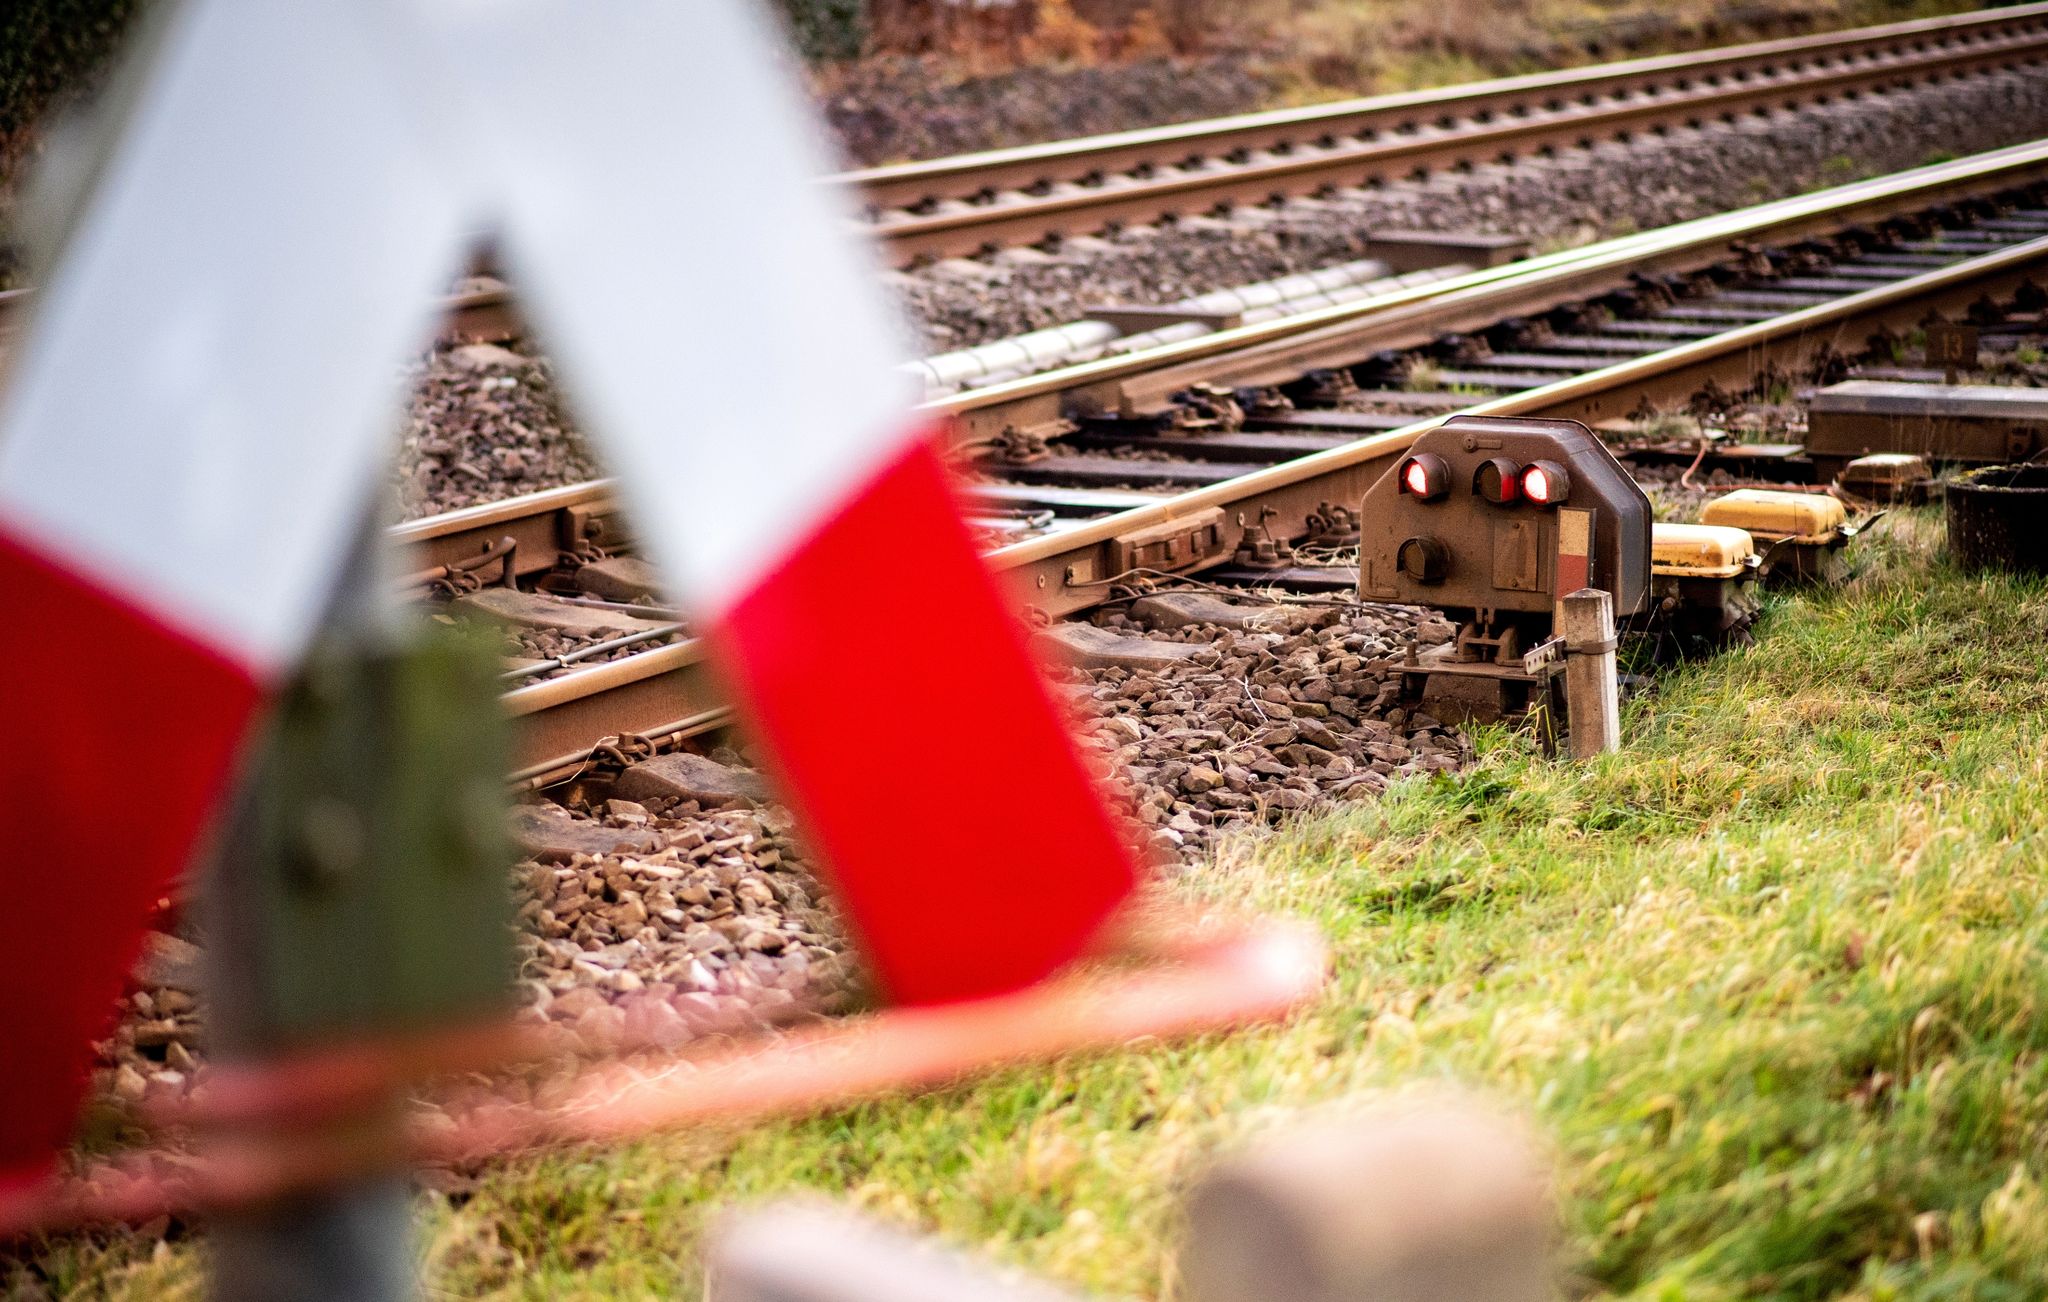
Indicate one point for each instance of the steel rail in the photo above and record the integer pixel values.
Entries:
(1142, 382)
(1052, 569)
(1026, 194)
(673, 691)
(963, 205)
(540, 524)
(961, 175)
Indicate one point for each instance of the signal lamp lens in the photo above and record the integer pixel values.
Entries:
(1425, 477)
(1424, 560)
(1545, 483)
(1496, 481)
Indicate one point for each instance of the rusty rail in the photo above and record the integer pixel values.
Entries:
(554, 519)
(1143, 382)
(672, 691)
(1067, 572)
(970, 203)
(1057, 570)
(967, 204)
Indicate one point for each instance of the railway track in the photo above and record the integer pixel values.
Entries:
(1235, 459)
(1157, 461)
(1204, 461)
(973, 203)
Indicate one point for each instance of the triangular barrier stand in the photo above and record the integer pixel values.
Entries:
(193, 426)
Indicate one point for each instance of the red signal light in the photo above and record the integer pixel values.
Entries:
(1546, 483)
(1425, 477)
(1496, 481)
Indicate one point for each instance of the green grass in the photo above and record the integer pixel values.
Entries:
(1773, 979)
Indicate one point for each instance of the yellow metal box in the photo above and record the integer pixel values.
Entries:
(1700, 551)
(1887, 477)
(1774, 515)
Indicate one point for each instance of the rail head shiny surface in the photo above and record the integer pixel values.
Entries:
(593, 492)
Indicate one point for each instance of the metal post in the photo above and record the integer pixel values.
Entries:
(343, 1245)
(1592, 683)
(1439, 1201)
(361, 891)
(347, 1244)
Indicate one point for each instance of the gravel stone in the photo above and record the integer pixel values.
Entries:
(724, 912)
(484, 423)
(1273, 721)
(661, 919)
(886, 110)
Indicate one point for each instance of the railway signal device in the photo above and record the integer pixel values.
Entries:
(1494, 521)
(251, 260)
(1703, 580)
(1801, 534)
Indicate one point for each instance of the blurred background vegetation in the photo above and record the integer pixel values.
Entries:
(48, 48)
(1336, 41)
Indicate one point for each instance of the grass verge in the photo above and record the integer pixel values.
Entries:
(1773, 979)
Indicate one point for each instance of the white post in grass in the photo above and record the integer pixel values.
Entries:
(796, 1252)
(1592, 683)
(1432, 1201)
(1419, 1200)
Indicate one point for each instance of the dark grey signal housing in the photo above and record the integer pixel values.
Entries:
(1492, 519)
